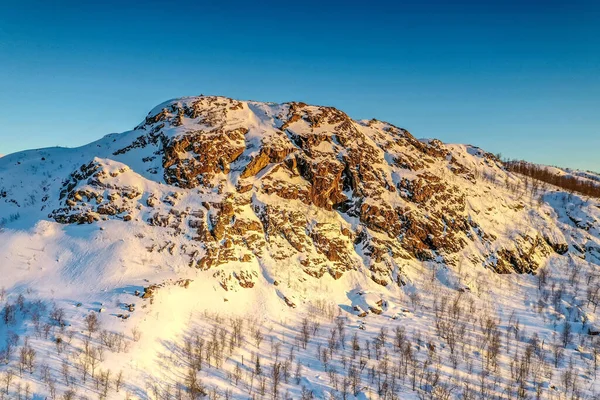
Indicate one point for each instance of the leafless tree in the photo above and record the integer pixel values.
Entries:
(8, 378)
(58, 315)
(237, 373)
(92, 323)
(275, 379)
(66, 372)
(8, 314)
(298, 373)
(119, 381)
(566, 334)
(258, 337)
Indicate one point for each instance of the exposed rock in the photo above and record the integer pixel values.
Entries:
(246, 279)
(559, 248)
(303, 185)
(289, 302)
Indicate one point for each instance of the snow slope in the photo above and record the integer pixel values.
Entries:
(577, 173)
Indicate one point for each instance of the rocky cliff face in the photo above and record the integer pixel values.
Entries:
(246, 182)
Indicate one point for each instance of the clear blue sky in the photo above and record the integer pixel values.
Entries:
(517, 77)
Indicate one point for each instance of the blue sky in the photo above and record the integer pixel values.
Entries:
(517, 77)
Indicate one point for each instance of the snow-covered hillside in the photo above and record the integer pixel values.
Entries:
(577, 173)
(245, 250)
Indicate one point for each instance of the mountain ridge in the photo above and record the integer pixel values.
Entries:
(234, 150)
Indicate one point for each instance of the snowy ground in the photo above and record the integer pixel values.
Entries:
(504, 336)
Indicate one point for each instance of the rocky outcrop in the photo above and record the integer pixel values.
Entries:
(302, 185)
(91, 194)
(524, 257)
(196, 158)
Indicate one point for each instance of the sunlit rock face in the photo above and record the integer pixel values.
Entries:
(307, 186)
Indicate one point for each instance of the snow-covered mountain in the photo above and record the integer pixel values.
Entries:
(214, 210)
